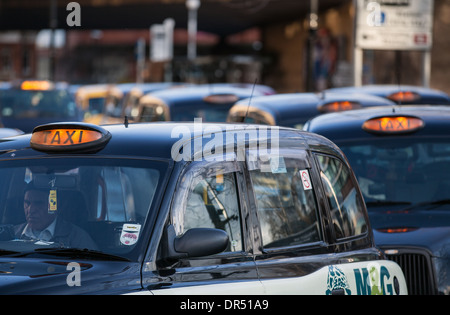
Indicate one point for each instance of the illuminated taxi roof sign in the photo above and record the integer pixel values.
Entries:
(404, 97)
(36, 85)
(393, 124)
(221, 98)
(69, 137)
(338, 106)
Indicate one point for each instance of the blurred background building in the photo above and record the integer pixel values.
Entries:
(271, 41)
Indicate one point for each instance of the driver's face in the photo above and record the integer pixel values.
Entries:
(36, 210)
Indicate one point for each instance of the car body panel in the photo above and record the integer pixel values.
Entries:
(427, 96)
(184, 153)
(187, 103)
(417, 226)
(293, 110)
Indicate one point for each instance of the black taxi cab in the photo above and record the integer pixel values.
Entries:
(93, 99)
(9, 132)
(209, 101)
(25, 104)
(401, 158)
(294, 109)
(195, 208)
(122, 99)
(400, 94)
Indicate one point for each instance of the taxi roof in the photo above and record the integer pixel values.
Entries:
(299, 107)
(148, 87)
(158, 139)
(348, 125)
(177, 96)
(427, 95)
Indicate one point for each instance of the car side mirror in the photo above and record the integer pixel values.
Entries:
(197, 242)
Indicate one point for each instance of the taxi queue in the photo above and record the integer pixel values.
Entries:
(227, 97)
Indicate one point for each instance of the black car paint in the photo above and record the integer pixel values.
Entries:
(148, 273)
(428, 225)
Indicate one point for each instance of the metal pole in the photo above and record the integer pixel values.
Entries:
(358, 66)
(140, 62)
(53, 23)
(192, 6)
(426, 68)
(313, 25)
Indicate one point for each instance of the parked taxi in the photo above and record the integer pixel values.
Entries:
(401, 157)
(25, 104)
(209, 102)
(93, 100)
(124, 99)
(169, 208)
(400, 94)
(294, 109)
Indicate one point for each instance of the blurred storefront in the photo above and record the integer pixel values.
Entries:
(274, 54)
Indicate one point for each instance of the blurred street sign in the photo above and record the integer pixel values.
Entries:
(161, 41)
(394, 24)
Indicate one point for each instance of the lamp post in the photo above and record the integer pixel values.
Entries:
(192, 6)
(313, 25)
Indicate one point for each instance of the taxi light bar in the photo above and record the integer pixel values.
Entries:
(393, 124)
(221, 98)
(60, 137)
(397, 230)
(36, 85)
(404, 97)
(338, 106)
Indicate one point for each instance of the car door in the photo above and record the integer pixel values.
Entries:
(314, 236)
(356, 267)
(293, 247)
(209, 196)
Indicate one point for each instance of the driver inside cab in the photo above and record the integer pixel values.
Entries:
(44, 224)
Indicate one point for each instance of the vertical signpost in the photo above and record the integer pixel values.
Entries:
(161, 46)
(161, 41)
(394, 25)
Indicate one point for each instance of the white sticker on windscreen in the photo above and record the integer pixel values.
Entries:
(130, 234)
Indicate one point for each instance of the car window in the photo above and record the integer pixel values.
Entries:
(152, 113)
(206, 111)
(346, 205)
(33, 104)
(209, 199)
(401, 170)
(97, 204)
(286, 204)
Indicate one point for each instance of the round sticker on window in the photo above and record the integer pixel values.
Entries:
(130, 234)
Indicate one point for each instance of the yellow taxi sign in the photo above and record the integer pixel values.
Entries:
(65, 137)
(404, 96)
(68, 137)
(36, 85)
(338, 106)
(393, 124)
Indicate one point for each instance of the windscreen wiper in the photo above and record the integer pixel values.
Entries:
(430, 204)
(381, 203)
(74, 253)
(5, 252)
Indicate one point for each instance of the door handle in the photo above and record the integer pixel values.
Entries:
(338, 292)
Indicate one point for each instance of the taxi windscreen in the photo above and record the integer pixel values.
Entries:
(214, 113)
(405, 171)
(21, 104)
(94, 204)
(187, 112)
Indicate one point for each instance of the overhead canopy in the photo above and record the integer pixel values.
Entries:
(221, 17)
